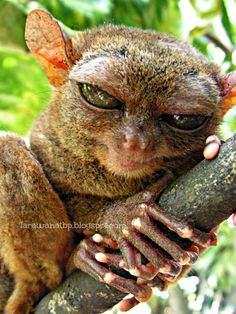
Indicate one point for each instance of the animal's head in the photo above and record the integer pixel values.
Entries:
(143, 99)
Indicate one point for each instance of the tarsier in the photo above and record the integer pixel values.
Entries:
(131, 111)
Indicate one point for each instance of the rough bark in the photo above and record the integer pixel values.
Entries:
(204, 197)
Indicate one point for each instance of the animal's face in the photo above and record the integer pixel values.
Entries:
(142, 101)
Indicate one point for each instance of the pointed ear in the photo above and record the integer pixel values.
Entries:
(228, 92)
(50, 46)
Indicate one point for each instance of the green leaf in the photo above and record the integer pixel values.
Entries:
(226, 23)
(24, 90)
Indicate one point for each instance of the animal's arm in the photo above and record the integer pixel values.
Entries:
(34, 246)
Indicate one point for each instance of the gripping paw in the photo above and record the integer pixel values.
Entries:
(141, 223)
(90, 257)
(147, 253)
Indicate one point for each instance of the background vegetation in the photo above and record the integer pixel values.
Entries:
(210, 25)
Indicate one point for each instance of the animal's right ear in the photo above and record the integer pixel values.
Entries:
(50, 46)
(228, 92)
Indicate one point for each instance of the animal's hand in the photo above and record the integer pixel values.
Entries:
(98, 256)
(136, 226)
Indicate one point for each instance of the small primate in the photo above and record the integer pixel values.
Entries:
(131, 111)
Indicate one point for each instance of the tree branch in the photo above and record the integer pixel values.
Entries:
(204, 197)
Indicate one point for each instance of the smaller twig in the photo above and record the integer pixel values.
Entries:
(219, 44)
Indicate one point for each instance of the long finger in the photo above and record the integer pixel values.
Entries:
(146, 227)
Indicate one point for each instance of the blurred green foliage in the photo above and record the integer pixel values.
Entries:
(210, 25)
(23, 90)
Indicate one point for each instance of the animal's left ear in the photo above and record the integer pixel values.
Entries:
(228, 92)
(50, 46)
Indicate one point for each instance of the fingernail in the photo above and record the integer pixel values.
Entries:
(211, 150)
(213, 138)
(109, 277)
(97, 238)
(144, 298)
(193, 257)
(134, 272)
(101, 257)
(187, 232)
(136, 223)
(122, 263)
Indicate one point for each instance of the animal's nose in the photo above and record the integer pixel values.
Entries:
(135, 140)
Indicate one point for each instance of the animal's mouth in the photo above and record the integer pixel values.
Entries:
(132, 166)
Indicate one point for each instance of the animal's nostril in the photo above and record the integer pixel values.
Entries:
(145, 143)
(135, 142)
(130, 141)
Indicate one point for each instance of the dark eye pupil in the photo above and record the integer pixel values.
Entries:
(184, 122)
(98, 98)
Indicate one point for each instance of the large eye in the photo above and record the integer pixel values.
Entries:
(98, 98)
(184, 122)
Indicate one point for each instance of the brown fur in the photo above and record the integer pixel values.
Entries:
(72, 167)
